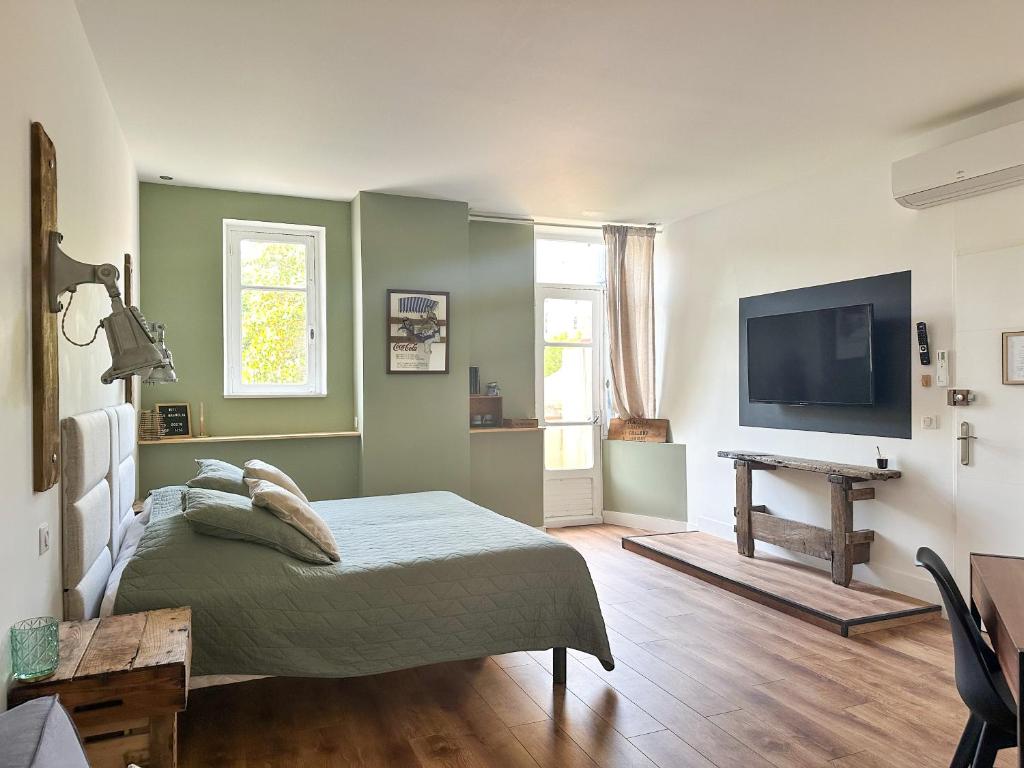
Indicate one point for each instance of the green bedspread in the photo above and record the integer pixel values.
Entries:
(423, 578)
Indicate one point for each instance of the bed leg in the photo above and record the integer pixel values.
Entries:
(558, 673)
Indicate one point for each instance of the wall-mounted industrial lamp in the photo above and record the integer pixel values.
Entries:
(133, 348)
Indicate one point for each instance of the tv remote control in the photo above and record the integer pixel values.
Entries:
(922, 344)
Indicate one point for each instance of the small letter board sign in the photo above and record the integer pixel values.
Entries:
(176, 419)
(639, 430)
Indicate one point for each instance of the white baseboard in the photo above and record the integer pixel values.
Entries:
(716, 528)
(646, 522)
(565, 522)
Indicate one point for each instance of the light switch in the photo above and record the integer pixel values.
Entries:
(929, 422)
(44, 538)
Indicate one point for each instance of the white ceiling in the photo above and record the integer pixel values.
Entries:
(626, 111)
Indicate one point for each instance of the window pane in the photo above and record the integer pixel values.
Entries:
(275, 265)
(570, 261)
(274, 347)
(568, 320)
(568, 384)
(569, 447)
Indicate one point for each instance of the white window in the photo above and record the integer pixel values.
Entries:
(568, 256)
(274, 310)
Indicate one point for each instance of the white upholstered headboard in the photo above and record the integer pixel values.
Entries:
(97, 493)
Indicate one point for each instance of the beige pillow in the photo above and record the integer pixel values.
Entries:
(289, 508)
(260, 470)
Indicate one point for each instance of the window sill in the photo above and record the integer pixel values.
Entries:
(482, 430)
(248, 438)
(271, 395)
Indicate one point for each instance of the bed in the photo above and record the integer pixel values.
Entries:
(423, 578)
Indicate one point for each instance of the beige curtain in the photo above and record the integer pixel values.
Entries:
(630, 302)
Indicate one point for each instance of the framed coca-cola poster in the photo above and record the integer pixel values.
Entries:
(418, 328)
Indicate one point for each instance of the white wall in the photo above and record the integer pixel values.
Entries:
(47, 73)
(837, 224)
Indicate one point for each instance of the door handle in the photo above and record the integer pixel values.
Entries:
(965, 443)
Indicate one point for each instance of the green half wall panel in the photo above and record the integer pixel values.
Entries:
(645, 479)
(324, 468)
(508, 474)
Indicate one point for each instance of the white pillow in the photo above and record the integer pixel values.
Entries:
(261, 470)
(289, 508)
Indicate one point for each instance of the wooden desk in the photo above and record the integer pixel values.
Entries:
(123, 679)
(997, 596)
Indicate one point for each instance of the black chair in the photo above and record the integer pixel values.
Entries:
(993, 720)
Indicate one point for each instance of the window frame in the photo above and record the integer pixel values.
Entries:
(235, 230)
(589, 235)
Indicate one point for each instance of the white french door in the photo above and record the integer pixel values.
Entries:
(570, 328)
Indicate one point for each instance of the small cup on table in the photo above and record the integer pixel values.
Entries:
(34, 648)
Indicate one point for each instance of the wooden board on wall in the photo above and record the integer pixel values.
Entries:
(639, 430)
(129, 300)
(45, 392)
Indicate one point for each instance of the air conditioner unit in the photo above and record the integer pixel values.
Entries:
(974, 166)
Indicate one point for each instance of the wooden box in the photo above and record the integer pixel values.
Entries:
(639, 430)
(123, 679)
(485, 406)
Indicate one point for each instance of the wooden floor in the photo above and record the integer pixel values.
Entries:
(703, 678)
(797, 590)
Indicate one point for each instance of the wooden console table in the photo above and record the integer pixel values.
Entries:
(841, 544)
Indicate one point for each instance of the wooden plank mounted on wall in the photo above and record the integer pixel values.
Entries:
(129, 300)
(639, 430)
(45, 394)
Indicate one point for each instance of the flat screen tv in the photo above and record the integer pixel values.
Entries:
(818, 357)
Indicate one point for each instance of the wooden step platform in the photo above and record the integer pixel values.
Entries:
(795, 589)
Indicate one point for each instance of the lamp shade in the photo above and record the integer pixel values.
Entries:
(132, 349)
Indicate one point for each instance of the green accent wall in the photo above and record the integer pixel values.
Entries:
(181, 240)
(507, 468)
(645, 478)
(415, 426)
(502, 334)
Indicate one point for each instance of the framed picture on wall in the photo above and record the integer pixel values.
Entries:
(418, 326)
(1013, 357)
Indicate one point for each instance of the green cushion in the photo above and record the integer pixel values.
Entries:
(230, 516)
(217, 475)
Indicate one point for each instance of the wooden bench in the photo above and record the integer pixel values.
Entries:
(123, 679)
(841, 544)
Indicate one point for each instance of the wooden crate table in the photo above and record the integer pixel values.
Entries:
(840, 544)
(123, 679)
